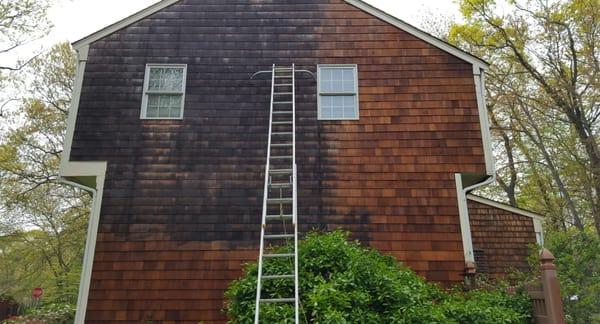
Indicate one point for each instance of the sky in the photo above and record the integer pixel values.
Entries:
(75, 19)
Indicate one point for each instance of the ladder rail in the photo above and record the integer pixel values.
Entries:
(295, 198)
(265, 197)
(279, 171)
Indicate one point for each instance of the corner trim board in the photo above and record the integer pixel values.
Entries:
(69, 173)
(479, 79)
(465, 226)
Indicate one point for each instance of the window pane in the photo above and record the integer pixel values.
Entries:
(327, 107)
(338, 107)
(326, 80)
(349, 107)
(166, 79)
(164, 106)
(152, 112)
(337, 80)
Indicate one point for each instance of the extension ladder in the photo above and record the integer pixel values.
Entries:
(280, 192)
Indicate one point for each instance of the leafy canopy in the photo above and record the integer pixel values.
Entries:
(343, 282)
(42, 222)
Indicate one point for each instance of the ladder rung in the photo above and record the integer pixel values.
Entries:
(283, 102)
(279, 255)
(281, 171)
(282, 112)
(286, 157)
(281, 133)
(280, 185)
(278, 217)
(283, 69)
(280, 200)
(283, 93)
(282, 145)
(273, 277)
(278, 300)
(282, 123)
(284, 85)
(278, 236)
(283, 76)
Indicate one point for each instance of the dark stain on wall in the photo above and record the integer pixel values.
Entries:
(182, 203)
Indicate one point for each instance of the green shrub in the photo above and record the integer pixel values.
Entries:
(578, 265)
(343, 282)
(47, 314)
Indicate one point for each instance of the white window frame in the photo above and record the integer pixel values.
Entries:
(143, 113)
(321, 94)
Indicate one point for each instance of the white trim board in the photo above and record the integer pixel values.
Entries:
(484, 124)
(85, 175)
(356, 3)
(147, 92)
(123, 23)
(451, 49)
(355, 93)
(465, 225)
(506, 207)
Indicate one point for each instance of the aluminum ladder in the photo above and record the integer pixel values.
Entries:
(280, 206)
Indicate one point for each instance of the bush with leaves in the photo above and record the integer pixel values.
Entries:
(578, 265)
(343, 282)
(57, 313)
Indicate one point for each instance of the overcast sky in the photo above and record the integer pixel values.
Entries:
(75, 19)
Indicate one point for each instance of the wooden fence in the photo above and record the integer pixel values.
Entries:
(547, 304)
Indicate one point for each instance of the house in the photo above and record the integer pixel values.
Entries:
(169, 132)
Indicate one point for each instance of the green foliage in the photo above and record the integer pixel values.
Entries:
(578, 265)
(343, 282)
(52, 313)
(542, 96)
(42, 222)
(22, 21)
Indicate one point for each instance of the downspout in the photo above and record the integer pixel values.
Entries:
(465, 224)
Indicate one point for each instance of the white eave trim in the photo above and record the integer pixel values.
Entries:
(123, 23)
(357, 3)
(419, 33)
(508, 208)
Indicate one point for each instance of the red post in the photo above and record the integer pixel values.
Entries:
(554, 307)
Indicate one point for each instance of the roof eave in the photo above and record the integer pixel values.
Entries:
(123, 23)
(447, 47)
(506, 207)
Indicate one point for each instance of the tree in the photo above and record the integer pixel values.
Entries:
(22, 21)
(578, 264)
(43, 222)
(543, 92)
(343, 282)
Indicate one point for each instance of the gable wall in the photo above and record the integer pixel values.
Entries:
(182, 202)
(504, 238)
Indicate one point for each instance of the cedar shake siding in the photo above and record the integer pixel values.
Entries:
(502, 238)
(182, 199)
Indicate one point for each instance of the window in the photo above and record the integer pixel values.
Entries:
(164, 91)
(338, 92)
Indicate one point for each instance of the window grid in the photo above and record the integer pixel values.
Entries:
(338, 92)
(164, 91)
